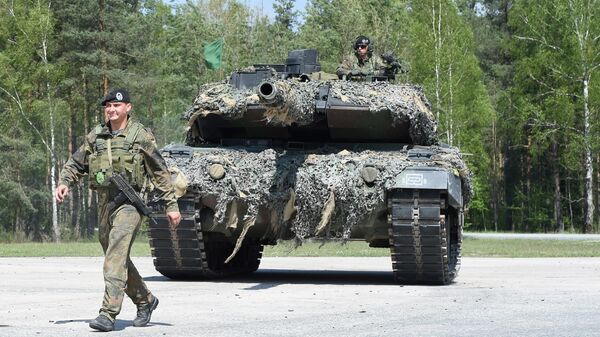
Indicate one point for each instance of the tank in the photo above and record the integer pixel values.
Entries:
(288, 152)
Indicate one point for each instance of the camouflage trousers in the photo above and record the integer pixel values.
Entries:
(116, 233)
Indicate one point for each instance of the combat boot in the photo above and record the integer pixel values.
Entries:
(102, 323)
(144, 312)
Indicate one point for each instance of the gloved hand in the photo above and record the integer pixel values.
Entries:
(388, 58)
(356, 72)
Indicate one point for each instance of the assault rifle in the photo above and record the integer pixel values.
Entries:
(393, 65)
(128, 194)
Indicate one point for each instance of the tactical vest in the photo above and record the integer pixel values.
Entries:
(370, 68)
(117, 155)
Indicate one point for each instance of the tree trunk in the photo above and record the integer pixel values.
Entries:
(82, 216)
(527, 203)
(436, 26)
(75, 195)
(449, 116)
(75, 192)
(510, 173)
(89, 199)
(86, 198)
(568, 185)
(17, 230)
(558, 217)
(494, 185)
(589, 168)
(103, 48)
(52, 149)
(597, 203)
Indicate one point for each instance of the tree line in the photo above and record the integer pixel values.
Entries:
(514, 85)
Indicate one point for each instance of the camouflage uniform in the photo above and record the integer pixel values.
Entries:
(373, 65)
(133, 153)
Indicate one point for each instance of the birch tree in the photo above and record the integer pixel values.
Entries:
(564, 38)
(584, 22)
(442, 58)
(27, 82)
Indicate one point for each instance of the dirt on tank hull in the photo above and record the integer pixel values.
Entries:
(276, 152)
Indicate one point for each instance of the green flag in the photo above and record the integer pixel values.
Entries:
(212, 54)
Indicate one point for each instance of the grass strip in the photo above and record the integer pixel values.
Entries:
(471, 248)
(315, 248)
(529, 248)
(87, 248)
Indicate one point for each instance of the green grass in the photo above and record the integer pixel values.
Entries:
(350, 248)
(87, 248)
(471, 248)
(529, 248)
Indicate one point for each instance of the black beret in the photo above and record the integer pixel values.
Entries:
(116, 95)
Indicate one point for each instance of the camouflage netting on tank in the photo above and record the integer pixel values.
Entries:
(221, 98)
(403, 102)
(295, 103)
(326, 189)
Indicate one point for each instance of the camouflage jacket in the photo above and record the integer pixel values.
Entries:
(352, 65)
(133, 153)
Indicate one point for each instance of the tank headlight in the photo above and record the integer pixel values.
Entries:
(369, 174)
(216, 171)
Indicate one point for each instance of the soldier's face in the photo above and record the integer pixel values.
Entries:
(362, 50)
(116, 112)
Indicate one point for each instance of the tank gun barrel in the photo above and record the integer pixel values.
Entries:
(268, 93)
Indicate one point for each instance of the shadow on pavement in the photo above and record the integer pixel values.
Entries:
(120, 324)
(269, 278)
(67, 321)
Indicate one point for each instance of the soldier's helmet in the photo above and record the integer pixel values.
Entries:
(362, 42)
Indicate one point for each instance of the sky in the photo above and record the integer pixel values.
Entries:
(263, 6)
(266, 6)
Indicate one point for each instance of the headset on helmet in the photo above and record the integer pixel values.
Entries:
(363, 40)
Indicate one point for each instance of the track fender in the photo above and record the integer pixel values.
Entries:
(431, 178)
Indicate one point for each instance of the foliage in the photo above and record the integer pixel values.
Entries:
(28, 82)
(506, 79)
(332, 26)
(556, 56)
(442, 58)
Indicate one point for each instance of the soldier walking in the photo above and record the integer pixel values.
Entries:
(120, 146)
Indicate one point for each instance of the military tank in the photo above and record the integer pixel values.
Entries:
(283, 151)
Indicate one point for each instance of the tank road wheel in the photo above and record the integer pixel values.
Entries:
(425, 237)
(188, 253)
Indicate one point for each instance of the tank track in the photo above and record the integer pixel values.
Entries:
(425, 237)
(188, 253)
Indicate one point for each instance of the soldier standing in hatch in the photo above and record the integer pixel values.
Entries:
(124, 146)
(364, 63)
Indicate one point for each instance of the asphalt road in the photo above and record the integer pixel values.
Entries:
(313, 297)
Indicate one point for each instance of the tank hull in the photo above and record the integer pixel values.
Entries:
(334, 192)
